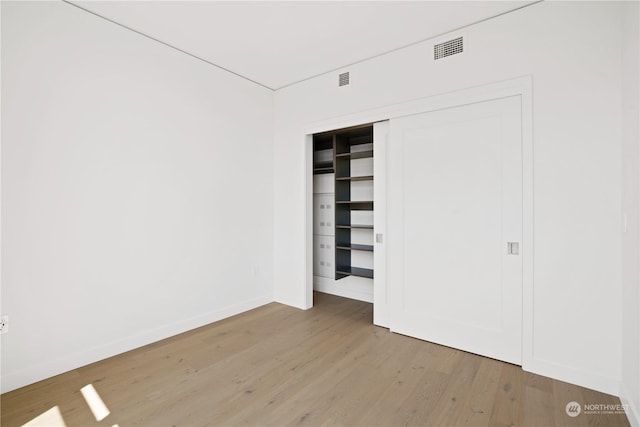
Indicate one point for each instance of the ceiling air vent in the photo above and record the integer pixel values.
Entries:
(343, 79)
(448, 48)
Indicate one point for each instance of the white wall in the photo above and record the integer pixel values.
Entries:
(132, 175)
(571, 50)
(630, 385)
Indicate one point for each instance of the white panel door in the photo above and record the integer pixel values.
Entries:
(455, 205)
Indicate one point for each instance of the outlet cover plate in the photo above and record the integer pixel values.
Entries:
(4, 324)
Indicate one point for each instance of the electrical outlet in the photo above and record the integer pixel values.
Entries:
(4, 324)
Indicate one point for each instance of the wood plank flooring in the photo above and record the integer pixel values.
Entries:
(278, 366)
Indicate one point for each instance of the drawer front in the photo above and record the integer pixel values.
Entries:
(323, 256)
(324, 183)
(323, 215)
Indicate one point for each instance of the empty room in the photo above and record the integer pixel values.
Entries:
(348, 213)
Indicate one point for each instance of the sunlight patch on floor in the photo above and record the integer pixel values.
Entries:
(97, 406)
(51, 418)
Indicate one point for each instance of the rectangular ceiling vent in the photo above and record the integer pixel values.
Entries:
(448, 48)
(343, 79)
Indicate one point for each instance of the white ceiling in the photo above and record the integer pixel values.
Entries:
(278, 43)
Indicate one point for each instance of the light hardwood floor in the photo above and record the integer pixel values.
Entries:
(277, 365)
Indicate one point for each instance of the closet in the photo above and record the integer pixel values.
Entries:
(343, 206)
(447, 257)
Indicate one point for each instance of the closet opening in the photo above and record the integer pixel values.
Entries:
(343, 212)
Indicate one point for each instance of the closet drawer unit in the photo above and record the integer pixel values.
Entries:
(323, 215)
(323, 256)
(324, 183)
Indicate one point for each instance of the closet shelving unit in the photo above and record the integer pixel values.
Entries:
(343, 177)
(323, 157)
(324, 205)
(349, 145)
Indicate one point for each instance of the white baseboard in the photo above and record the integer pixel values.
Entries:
(48, 369)
(633, 411)
(357, 288)
(572, 375)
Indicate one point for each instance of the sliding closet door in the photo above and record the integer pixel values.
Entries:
(455, 227)
(380, 295)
